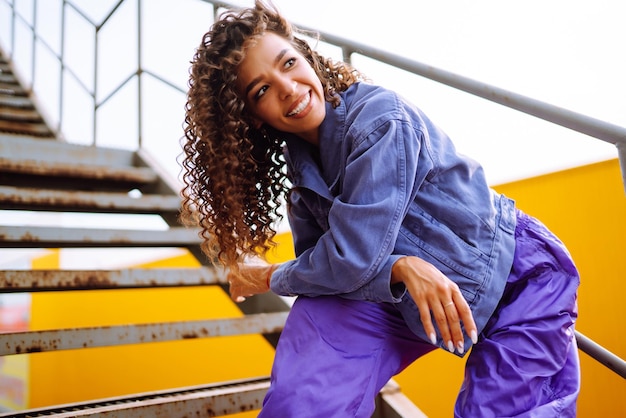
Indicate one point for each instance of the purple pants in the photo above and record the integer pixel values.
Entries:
(334, 355)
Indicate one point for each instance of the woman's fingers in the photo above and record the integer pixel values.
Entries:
(464, 313)
(456, 312)
(445, 324)
(448, 313)
(427, 323)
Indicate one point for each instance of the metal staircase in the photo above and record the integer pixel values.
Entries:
(19, 115)
(41, 173)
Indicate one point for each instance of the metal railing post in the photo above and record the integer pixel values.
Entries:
(62, 69)
(139, 79)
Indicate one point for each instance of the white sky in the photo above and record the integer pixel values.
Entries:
(569, 53)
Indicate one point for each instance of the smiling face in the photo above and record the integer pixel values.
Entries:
(280, 88)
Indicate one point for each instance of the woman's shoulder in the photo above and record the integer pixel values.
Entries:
(363, 92)
(372, 104)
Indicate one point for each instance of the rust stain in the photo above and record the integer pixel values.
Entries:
(28, 237)
(93, 280)
(56, 280)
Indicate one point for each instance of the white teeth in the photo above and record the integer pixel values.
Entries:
(303, 104)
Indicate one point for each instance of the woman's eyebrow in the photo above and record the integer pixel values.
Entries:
(256, 80)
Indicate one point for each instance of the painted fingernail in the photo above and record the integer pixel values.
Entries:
(433, 338)
(474, 337)
(450, 347)
(460, 348)
(240, 299)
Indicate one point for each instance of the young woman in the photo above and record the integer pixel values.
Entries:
(401, 246)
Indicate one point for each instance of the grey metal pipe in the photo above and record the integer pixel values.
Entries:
(601, 354)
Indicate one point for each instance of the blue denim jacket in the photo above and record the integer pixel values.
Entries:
(386, 182)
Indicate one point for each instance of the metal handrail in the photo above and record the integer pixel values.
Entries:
(595, 128)
(601, 354)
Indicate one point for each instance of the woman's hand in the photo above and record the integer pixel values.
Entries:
(436, 296)
(250, 280)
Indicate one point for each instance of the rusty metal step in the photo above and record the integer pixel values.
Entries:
(12, 89)
(132, 175)
(25, 148)
(17, 112)
(53, 237)
(7, 77)
(219, 399)
(21, 128)
(11, 101)
(107, 336)
(20, 114)
(22, 198)
(12, 281)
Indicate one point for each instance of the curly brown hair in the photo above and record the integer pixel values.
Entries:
(233, 173)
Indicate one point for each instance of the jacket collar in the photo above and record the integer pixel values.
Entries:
(320, 168)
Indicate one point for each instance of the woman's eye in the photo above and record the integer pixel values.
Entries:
(290, 62)
(260, 93)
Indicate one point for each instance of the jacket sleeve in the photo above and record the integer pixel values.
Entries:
(353, 257)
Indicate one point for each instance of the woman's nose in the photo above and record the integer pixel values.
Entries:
(287, 88)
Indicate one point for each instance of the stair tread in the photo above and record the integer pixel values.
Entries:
(47, 199)
(31, 148)
(7, 77)
(20, 114)
(228, 398)
(89, 171)
(58, 237)
(23, 280)
(27, 128)
(112, 335)
(11, 89)
(16, 101)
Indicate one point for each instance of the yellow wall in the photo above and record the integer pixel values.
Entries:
(585, 206)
